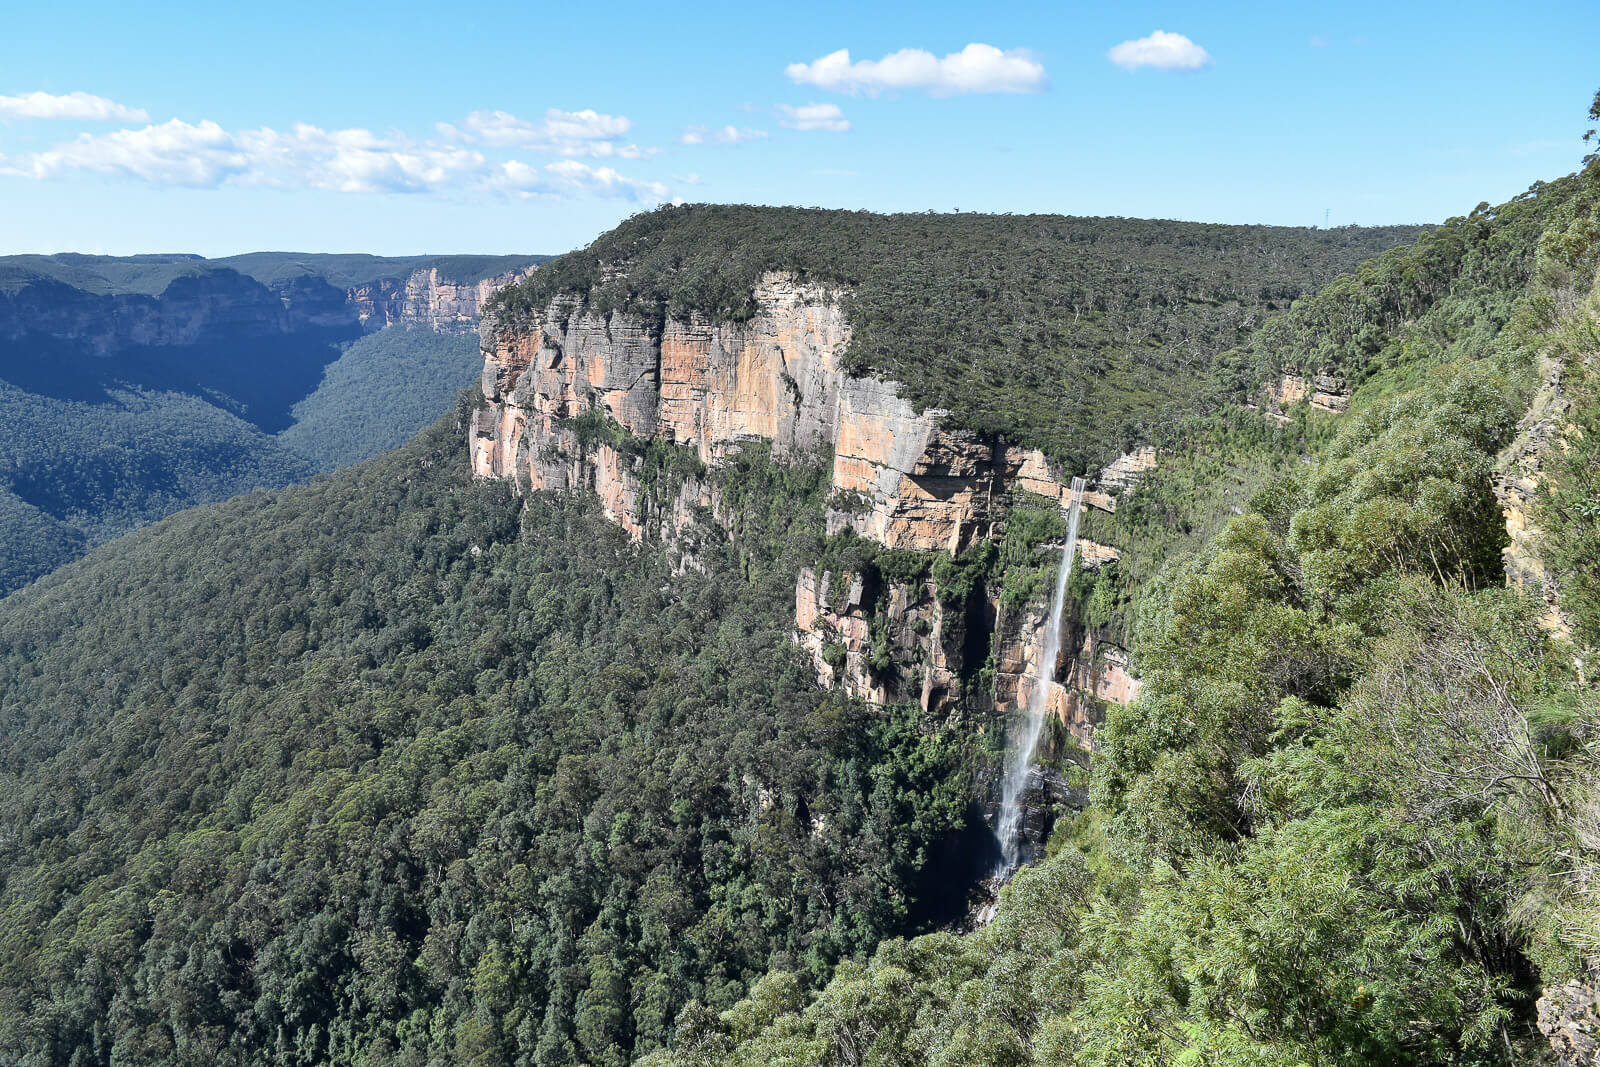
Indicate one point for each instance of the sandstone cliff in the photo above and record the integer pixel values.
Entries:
(1324, 392)
(211, 306)
(424, 298)
(219, 305)
(904, 479)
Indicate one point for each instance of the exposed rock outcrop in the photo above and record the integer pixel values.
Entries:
(558, 385)
(1324, 392)
(211, 306)
(424, 298)
(222, 305)
(1090, 673)
(906, 645)
(1517, 479)
(1569, 1018)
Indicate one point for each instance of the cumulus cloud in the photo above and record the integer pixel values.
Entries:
(82, 107)
(725, 135)
(566, 176)
(814, 117)
(356, 161)
(173, 153)
(568, 133)
(977, 68)
(1160, 51)
(205, 155)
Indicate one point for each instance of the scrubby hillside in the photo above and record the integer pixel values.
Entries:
(403, 766)
(1352, 817)
(391, 763)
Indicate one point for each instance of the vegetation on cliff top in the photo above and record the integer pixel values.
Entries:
(1352, 817)
(1080, 336)
(149, 275)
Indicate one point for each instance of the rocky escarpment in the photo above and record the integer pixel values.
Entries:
(1323, 392)
(425, 298)
(211, 306)
(902, 478)
(1569, 1018)
(219, 305)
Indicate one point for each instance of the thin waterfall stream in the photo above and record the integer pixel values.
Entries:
(1007, 829)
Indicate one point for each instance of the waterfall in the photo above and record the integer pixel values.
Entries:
(1021, 761)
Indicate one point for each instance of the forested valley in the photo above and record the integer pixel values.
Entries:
(407, 767)
(105, 427)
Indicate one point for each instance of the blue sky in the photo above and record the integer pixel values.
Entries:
(410, 128)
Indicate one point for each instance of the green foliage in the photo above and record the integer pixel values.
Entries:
(382, 390)
(91, 465)
(1458, 283)
(392, 767)
(1351, 817)
(150, 275)
(1078, 336)
(75, 474)
(94, 443)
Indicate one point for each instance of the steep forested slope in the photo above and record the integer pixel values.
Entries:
(1079, 336)
(1351, 818)
(397, 767)
(380, 391)
(388, 765)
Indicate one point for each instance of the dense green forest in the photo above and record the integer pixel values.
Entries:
(151, 274)
(1352, 817)
(392, 766)
(76, 470)
(1080, 336)
(381, 390)
(402, 768)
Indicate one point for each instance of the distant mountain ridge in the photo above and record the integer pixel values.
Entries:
(132, 387)
(151, 273)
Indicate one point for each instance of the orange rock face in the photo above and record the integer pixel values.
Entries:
(1325, 393)
(1089, 673)
(899, 477)
(903, 478)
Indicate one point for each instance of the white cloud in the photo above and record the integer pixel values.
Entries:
(173, 153)
(205, 155)
(356, 161)
(1160, 51)
(83, 107)
(725, 135)
(568, 133)
(814, 117)
(602, 181)
(977, 68)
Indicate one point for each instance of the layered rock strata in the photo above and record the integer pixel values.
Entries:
(425, 298)
(1324, 392)
(211, 306)
(557, 386)
(219, 306)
